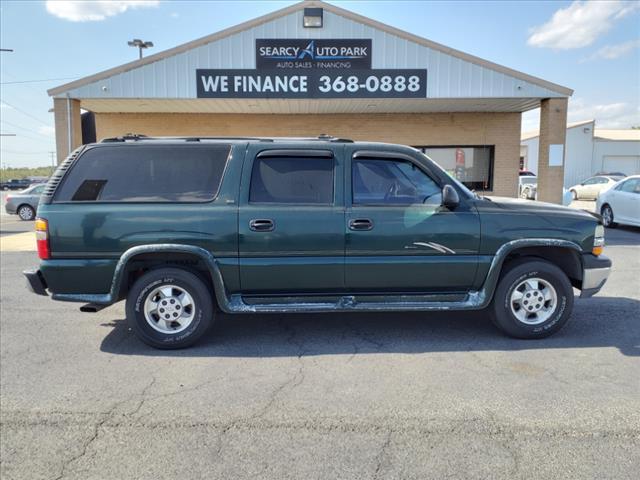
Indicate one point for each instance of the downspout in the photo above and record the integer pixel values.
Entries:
(69, 124)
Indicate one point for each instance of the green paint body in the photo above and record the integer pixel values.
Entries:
(411, 250)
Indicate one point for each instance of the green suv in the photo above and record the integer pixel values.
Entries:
(184, 227)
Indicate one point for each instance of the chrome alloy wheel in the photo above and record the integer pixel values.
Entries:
(26, 212)
(607, 215)
(169, 309)
(533, 301)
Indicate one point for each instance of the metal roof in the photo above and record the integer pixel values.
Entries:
(536, 133)
(628, 135)
(166, 81)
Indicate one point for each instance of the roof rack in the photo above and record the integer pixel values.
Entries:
(136, 137)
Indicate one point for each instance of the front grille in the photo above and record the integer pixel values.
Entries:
(58, 175)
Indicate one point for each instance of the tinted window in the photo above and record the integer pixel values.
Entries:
(146, 173)
(301, 180)
(37, 190)
(391, 182)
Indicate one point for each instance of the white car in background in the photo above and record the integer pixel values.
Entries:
(591, 187)
(621, 203)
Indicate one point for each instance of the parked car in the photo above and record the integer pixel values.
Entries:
(591, 187)
(15, 184)
(25, 203)
(528, 189)
(528, 186)
(612, 174)
(621, 203)
(182, 228)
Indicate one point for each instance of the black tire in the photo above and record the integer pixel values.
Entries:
(513, 275)
(574, 195)
(607, 216)
(170, 277)
(26, 213)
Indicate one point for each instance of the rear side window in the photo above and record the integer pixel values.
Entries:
(146, 173)
(295, 180)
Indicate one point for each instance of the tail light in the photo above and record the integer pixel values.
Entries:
(42, 239)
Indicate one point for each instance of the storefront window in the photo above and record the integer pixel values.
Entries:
(473, 166)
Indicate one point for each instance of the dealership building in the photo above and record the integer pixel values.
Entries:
(314, 68)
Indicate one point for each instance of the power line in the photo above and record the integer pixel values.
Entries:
(25, 113)
(14, 152)
(37, 81)
(25, 129)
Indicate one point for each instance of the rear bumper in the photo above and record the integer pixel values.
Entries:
(10, 208)
(594, 274)
(36, 282)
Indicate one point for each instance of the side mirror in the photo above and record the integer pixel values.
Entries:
(450, 198)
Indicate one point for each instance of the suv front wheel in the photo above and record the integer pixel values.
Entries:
(534, 299)
(169, 308)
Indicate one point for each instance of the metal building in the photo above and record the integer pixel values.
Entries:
(589, 150)
(315, 68)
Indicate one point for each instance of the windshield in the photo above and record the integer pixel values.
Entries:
(468, 192)
(528, 180)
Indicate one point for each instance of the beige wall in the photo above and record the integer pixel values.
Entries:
(67, 113)
(499, 129)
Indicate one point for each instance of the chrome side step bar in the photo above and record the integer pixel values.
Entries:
(354, 303)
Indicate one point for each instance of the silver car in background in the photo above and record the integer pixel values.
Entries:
(25, 203)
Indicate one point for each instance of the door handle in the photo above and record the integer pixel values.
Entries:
(261, 225)
(360, 224)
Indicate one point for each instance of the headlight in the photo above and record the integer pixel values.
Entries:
(598, 240)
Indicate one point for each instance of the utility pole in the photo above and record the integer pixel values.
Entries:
(53, 160)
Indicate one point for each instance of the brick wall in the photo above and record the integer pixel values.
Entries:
(553, 121)
(499, 129)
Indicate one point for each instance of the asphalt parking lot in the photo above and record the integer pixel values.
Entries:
(320, 396)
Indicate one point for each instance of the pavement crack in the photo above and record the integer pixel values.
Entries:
(97, 427)
(363, 337)
(380, 457)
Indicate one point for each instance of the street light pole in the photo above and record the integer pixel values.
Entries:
(136, 42)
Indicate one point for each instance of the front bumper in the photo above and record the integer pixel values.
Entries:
(594, 274)
(36, 282)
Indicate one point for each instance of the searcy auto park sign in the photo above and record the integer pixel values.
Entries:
(304, 68)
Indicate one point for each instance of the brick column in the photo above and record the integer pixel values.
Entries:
(67, 113)
(553, 130)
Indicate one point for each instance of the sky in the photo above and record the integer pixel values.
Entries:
(590, 47)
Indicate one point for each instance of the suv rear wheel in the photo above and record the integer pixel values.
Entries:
(169, 308)
(534, 299)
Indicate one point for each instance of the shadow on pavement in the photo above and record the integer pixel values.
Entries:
(622, 235)
(596, 322)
